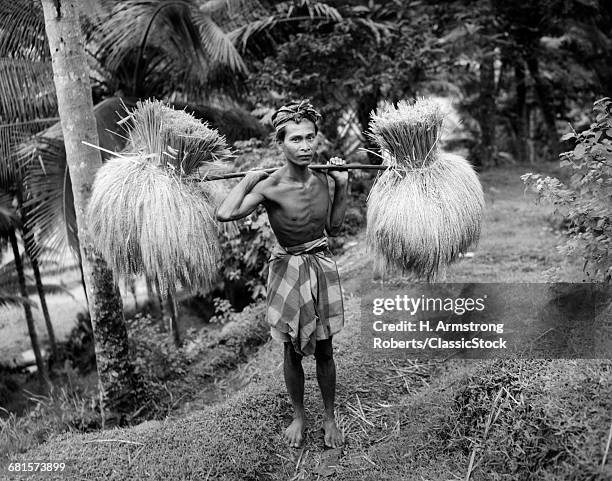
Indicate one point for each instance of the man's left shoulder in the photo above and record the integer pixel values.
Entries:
(321, 175)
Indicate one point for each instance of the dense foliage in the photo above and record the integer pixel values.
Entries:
(516, 70)
(585, 201)
(344, 64)
(244, 259)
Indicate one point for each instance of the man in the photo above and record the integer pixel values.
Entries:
(304, 295)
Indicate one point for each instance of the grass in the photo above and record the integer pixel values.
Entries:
(68, 408)
(171, 378)
(478, 420)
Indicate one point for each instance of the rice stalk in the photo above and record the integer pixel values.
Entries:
(426, 209)
(144, 221)
(176, 139)
(408, 132)
(147, 214)
(420, 220)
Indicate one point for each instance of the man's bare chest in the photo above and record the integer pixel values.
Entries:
(292, 199)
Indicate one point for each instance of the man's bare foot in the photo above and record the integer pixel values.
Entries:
(295, 433)
(333, 436)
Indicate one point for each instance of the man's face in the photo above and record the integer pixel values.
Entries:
(300, 142)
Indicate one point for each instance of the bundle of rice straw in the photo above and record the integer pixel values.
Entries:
(146, 213)
(427, 207)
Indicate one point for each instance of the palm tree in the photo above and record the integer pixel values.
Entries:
(160, 47)
(27, 104)
(9, 223)
(143, 44)
(71, 78)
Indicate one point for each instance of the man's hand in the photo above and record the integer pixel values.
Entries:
(340, 176)
(253, 177)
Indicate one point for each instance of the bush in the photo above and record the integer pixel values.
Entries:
(245, 256)
(79, 347)
(585, 201)
(169, 375)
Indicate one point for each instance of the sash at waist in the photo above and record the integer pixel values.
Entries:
(311, 247)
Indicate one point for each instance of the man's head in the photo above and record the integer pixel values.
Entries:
(296, 131)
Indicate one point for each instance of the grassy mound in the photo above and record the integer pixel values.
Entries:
(231, 441)
(545, 420)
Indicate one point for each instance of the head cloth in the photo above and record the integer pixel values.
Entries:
(294, 111)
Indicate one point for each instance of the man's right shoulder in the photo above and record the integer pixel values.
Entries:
(266, 185)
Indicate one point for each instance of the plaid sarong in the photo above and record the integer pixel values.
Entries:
(304, 295)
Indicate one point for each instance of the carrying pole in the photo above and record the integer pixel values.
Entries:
(232, 175)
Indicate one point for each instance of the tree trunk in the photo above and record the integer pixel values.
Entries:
(40, 365)
(522, 119)
(115, 371)
(28, 241)
(160, 301)
(531, 134)
(149, 284)
(43, 304)
(547, 110)
(131, 286)
(365, 105)
(487, 110)
(174, 314)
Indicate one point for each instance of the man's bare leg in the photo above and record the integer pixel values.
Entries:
(294, 380)
(326, 377)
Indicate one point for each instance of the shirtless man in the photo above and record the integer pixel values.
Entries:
(304, 296)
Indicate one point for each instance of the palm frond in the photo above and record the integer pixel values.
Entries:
(320, 9)
(220, 44)
(243, 34)
(232, 14)
(9, 280)
(228, 8)
(27, 90)
(286, 12)
(11, 300)
(175, 36)
(95, 10)
(50, 206)
(11, 135)
(380, 30)
(9, 219)
(23, 30)
(121, 33)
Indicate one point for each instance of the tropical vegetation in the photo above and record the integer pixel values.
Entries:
(530, 81)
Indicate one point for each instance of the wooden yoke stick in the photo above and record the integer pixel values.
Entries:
(232, 175)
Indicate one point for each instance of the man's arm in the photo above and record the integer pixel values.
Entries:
(338, 208)
(242, 199)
